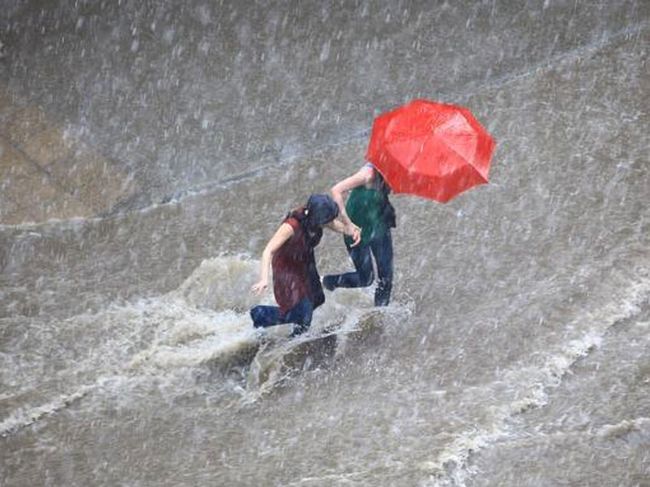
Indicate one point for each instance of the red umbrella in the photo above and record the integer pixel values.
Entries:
(430, 149)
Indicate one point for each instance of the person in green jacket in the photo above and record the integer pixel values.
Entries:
(368, 209)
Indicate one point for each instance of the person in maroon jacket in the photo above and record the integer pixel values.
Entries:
(290, 252)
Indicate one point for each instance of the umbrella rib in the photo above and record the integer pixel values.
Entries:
(464, 159)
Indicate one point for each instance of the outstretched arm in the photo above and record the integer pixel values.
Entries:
(362, 177)
(351, 230)
(284, 233)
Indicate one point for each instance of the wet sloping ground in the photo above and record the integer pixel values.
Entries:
(181, 95)
(48, 173)
(595, 423)
(516, 352)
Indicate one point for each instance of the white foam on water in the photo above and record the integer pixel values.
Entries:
(623, 428)
(193, 339)
(27, 415)
(190, 326)
(108, 385)
(452, 465)
(204, 321)
(335, 319)
(221, 283)
(207, 318)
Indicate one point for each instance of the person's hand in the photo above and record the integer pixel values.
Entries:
(260, 287)
(355, 233)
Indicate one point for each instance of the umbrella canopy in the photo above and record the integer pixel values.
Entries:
(429, 149)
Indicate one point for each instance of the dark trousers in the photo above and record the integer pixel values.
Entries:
(382, 249)
(300, 314)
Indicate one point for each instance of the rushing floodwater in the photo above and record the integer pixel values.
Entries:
(517, 347)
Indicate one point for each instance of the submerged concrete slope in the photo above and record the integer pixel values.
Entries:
(523, 357)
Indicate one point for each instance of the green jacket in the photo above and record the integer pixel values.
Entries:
(367, 208)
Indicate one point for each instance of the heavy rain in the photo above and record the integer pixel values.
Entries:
(149, 151)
